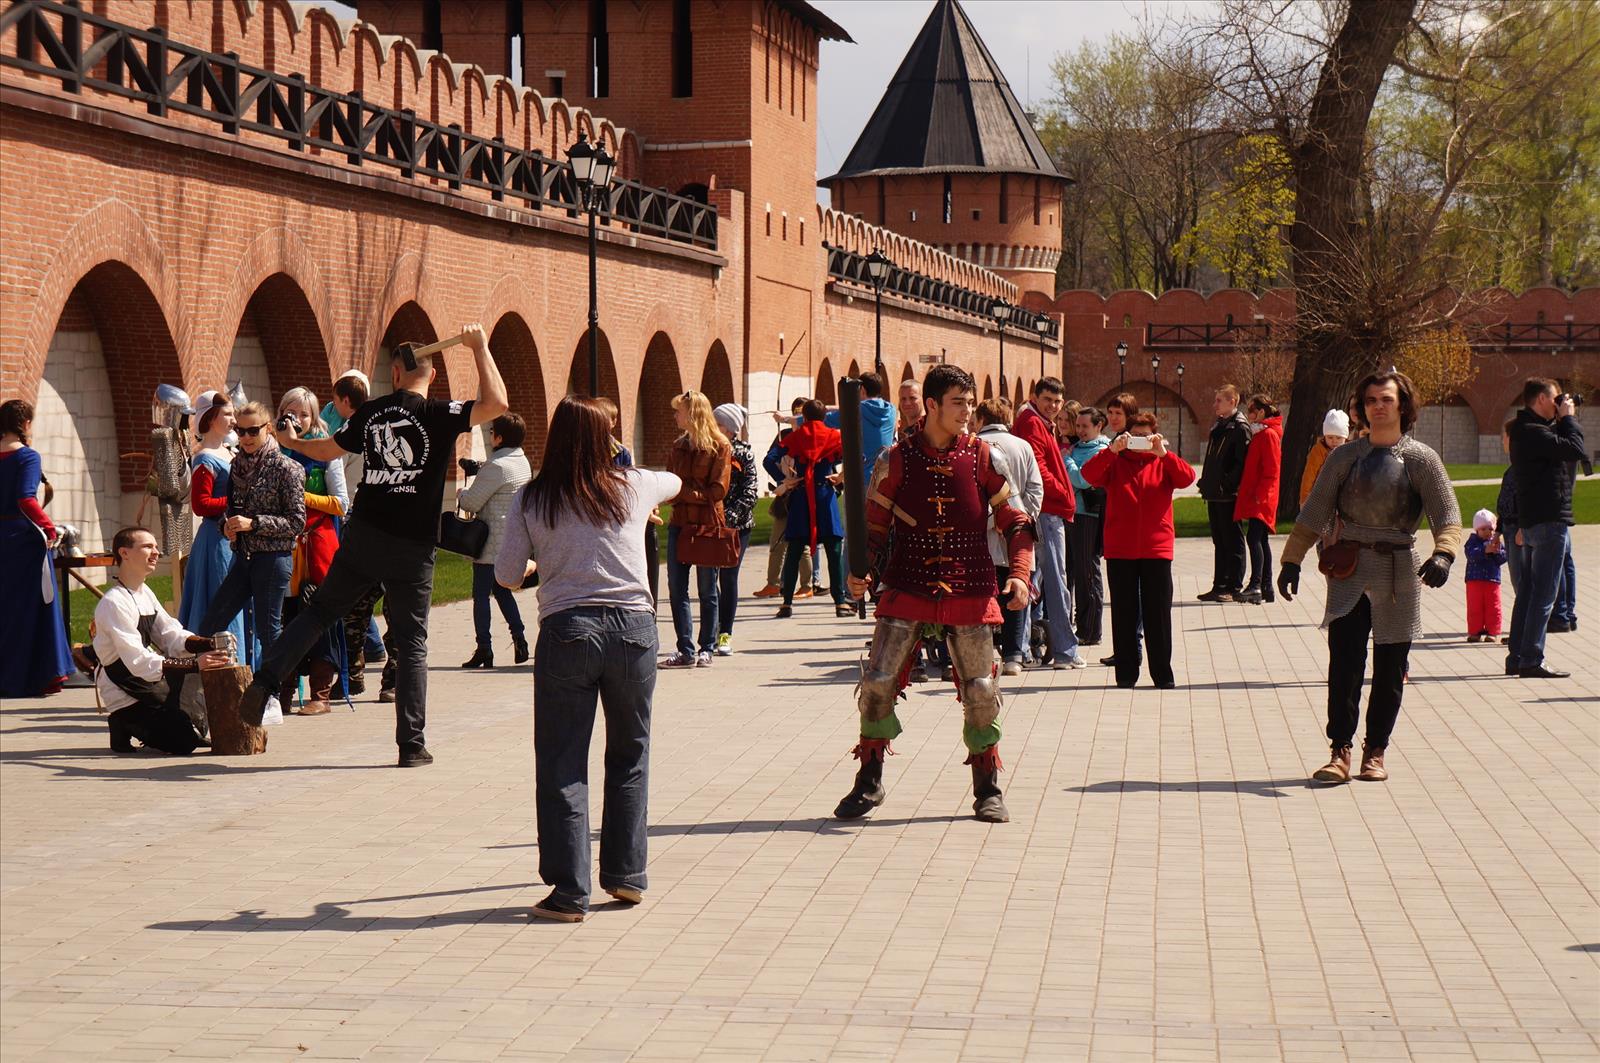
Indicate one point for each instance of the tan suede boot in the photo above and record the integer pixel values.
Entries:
(1372, 769)
(1336, 770)
(320, 687)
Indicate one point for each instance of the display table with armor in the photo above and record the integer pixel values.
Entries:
(1365, 506)
(932, 510)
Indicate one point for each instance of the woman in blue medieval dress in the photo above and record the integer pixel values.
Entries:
(35, 660)
(211, 554)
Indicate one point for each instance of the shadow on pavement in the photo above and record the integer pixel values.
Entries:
(155, 766)
(1259, 787)
(334, 917)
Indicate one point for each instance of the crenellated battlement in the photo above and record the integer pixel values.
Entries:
(345, 56)
(850, 233)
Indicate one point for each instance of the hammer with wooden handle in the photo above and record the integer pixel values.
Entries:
(411, 352)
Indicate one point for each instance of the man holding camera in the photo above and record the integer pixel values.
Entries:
(407, 444)
(1546, 446)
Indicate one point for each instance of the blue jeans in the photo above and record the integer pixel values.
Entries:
(728, 588)
(262, 578)
(1014, 622)
(483, 586)
(1566, 607)
(584, 654)
(1051, 560)
(1516, 557)
(678, 592)
(1541, 582)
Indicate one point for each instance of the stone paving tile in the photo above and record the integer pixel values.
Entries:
(1169, 887)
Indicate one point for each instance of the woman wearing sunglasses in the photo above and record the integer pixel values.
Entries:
(266, 512)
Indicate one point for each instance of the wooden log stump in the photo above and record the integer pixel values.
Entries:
(230, 735)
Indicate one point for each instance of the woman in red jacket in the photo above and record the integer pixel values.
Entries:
(1258, 495)
(1139, 474)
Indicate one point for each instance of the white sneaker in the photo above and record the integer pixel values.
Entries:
(724, 645)
(1071, 662)
(702, 659)
(1011, 668)
(678, 660)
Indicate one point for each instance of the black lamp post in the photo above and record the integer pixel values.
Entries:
(1001, 310)
(1180, 409)
(1042, 325)
(1155, 383)
(878, 267)
(592, 168)
(1122, 366)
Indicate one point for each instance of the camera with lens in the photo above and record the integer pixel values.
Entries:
(287, 422)
(1576, 400)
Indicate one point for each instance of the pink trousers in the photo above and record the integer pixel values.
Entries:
(1483, 607)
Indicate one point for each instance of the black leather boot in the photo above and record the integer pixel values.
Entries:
(868, 792)
(121, 737)
(988, 804)
(519, 651)
(481, 658)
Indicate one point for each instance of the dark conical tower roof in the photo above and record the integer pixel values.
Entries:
(948, 109)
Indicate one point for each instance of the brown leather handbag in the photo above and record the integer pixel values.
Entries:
(1338, 560)
(708, 545)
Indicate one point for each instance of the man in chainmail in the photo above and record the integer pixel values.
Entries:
(1370, 495)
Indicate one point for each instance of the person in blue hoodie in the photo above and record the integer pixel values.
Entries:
(877, 422)
(1088, 590)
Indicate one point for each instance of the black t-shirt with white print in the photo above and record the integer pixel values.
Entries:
(407, 444)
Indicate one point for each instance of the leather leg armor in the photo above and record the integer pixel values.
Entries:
(883, 672)
(972, 654)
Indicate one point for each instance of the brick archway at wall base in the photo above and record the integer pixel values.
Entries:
(139, 353)
(291, 340)
(578, 370)
(825, 392)
(717, 378)
(517, 357)
(659, 383)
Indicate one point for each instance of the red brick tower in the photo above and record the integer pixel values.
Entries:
(950, 158)
(721, 96)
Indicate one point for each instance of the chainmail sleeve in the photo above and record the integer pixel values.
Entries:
(1432, 481)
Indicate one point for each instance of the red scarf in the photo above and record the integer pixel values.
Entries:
(813, 442)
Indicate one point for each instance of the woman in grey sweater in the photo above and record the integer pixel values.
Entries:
(495, 484)
(582, 519)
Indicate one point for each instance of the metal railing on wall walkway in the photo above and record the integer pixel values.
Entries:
(84, 50)
(919, 287)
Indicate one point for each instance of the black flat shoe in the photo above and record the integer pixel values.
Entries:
(415, 758)
(785, 612)
(1541, 672)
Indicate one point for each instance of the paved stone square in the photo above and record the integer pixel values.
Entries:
(1169, 887)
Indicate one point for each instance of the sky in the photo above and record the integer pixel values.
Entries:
(1022, 35)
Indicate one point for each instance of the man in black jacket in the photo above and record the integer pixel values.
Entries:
(1546, 446)
(1219, 486)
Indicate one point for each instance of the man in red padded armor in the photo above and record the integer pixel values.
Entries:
(937, 491)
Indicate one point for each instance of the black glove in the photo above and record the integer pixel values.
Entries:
(1288, 580)
(469, 466)
(1436, 570)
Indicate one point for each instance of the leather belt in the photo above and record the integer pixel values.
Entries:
(1382, 548)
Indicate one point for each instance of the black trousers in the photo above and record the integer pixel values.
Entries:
(1260, 558)
(1141, 588)
(155, 719)
(367, 557)
(1088, 592)
(1347, 667)
(1227, 542)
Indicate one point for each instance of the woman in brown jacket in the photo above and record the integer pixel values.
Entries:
(701, 457)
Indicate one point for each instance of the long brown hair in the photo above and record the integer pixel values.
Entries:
(578, 474)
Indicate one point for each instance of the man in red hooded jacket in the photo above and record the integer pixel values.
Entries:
(1034, 425)
(939, 492)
